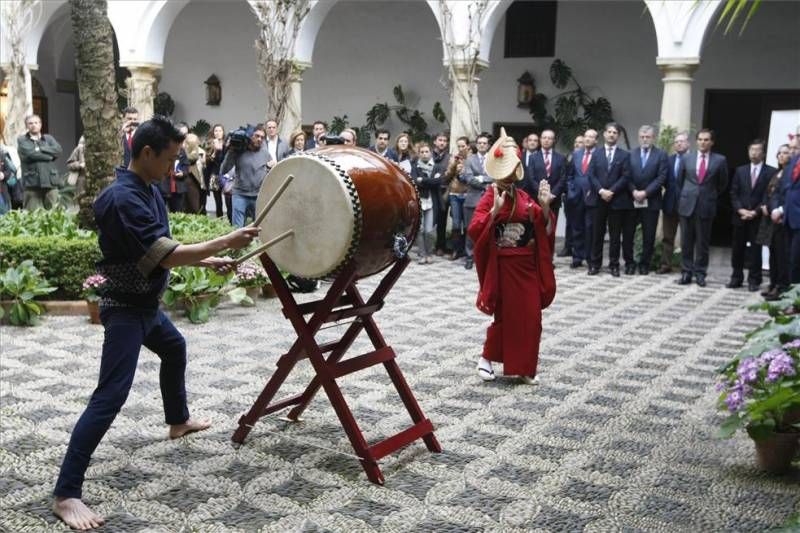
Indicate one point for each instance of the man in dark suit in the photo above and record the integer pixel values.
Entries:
(475, 177)
(670, 221)
(531, 145)
(381, 146)
(748, 191)
(612, 175)
(318, 130)
(648, 174)
(788, 212)
(547, 164)
(702, 180)
(581, 198)
(129, 124)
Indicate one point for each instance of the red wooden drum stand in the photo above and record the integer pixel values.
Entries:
(344, 296)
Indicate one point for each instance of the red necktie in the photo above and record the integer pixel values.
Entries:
(796, 171)
(130, 141)
(547, 163)
(701, 173)
(585, 164)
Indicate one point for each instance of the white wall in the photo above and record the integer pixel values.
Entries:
(214, 38)
(56, 60)
(363, 49)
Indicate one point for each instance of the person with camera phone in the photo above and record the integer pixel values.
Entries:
(248, 155)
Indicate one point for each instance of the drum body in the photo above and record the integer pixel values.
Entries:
(344, 204)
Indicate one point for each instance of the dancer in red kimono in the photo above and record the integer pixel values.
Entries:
(513, 239)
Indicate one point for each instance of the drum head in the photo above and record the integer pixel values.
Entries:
(321, 206)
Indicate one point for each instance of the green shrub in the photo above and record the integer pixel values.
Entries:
(66, 255)
(21, 285)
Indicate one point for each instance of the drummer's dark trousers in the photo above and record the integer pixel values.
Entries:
(126, 331)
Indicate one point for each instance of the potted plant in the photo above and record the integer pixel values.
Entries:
(19, 286)
(91, 293)
(762, 394)
(251, 277)
(199, 290)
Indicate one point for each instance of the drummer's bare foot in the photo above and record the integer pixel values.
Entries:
(177, 431)
(76, 514)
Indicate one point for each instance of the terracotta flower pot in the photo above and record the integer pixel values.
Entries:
(253, 292)
(775, 453)
(268, 291)
(94, 312)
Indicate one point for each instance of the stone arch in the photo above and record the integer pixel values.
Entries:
(682, 27)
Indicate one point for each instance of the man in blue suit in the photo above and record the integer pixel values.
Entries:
(319, 130)
(648, 174)
(788, 211)
(531, 146)
(748, 194)
(703, 178)
(129, 124)
(582, 198)
(612, 176)
(381, 146)
(670, 221)
(547, 164)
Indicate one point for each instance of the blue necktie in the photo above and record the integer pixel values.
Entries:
(644, 157)
(677, 163)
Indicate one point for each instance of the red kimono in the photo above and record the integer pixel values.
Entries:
(515, 271)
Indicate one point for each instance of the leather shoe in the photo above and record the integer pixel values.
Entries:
(576, 264)
(593, 271)
(630, 270)
(700, 279)
(664, 269)
(769, 289)
(733, 284)
(753, 287)
(686, 278)
(643, 270)
(772, 295)
(468, 264)
(615, 271)
(564, 253)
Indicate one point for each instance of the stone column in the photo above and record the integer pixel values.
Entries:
(465, 114)
(293, 116)
(676, 104)
(142, 88)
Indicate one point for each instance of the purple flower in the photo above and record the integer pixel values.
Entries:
(792, 344)
(736, 396)
(781, 365)
(748, 369)
(768, 356)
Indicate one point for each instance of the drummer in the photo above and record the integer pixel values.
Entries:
(513, 238)
(138, 251)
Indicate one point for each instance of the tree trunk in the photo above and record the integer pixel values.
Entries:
(94, 54)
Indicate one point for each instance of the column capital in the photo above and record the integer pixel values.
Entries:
(143, 68)
(675, 63)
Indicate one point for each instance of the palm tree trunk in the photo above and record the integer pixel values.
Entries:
(94, 54)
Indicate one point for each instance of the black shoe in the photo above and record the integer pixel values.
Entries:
(576, 264)
(769, 290)
(564, 253)
(753, 287)
(700, 279)
(630, 270)
(734, 284)
(593, 271)
(773, 295)
(615, 271)
(643, 270)
(468, 264)
(686, 278)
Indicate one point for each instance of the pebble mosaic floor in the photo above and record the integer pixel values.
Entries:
(618, 437)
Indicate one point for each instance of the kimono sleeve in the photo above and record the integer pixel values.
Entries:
(145, 237)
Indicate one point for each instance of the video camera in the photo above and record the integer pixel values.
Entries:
(239, 139)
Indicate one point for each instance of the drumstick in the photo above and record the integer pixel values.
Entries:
(263, 247)
(272, 200)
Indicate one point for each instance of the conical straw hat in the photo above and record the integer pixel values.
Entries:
(503, 158)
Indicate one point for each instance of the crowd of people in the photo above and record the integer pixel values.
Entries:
(603, 189)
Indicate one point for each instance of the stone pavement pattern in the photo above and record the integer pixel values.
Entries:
(619, 436)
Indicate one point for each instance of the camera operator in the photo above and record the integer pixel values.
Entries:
(248, 154)
(129, 124)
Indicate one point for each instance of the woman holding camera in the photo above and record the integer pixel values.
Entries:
(455, 192)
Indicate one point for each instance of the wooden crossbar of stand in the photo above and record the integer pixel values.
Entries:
(344, 297)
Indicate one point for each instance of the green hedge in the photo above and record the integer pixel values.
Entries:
(67, 260)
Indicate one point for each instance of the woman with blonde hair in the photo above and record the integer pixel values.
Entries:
(405, 152)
